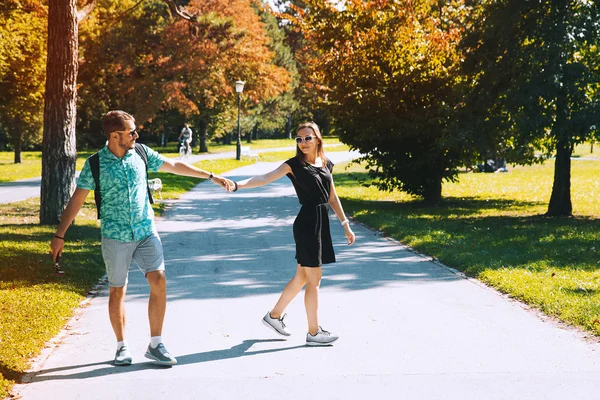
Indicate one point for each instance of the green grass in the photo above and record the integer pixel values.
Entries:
(587, 150)
(35, 304)
(491, 227)
(31, 165)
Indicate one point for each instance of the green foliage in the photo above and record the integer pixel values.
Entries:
(534, 81)
(389, 71)
(525, 58)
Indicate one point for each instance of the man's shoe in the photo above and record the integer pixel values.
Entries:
(160, 355)
(123, 356)
(276, 324)
(321, 338)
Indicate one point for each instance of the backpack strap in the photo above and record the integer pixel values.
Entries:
(142, 153)
(95, 167)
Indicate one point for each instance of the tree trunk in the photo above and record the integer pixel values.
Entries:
(202, 136)
(59, 152)
(560, 200)
(288, 128)
(17, 145)
(433, 191)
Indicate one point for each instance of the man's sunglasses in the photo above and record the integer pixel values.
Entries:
(306, 139)
(131, 133)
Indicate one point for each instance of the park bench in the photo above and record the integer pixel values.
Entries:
(155, 186)
(247, 152)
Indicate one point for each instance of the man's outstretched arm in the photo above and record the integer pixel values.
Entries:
(185, 169)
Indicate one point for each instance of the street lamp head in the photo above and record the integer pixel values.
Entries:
(239, 86)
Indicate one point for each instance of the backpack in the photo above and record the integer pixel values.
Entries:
(95, 167)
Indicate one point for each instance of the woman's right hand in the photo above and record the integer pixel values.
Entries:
(349, 234)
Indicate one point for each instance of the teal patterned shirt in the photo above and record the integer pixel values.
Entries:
(126, 212)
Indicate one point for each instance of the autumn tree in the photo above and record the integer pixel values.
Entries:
(120, 64)
(58, 146)
(272, 115)
(234, 45)
(310, 101)
(389, 70)
(154, 66)
(534, 68)
(22, 71)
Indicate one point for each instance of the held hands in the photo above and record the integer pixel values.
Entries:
(225, 183)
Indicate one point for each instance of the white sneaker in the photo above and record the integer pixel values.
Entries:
(321, 338)
(276, 324)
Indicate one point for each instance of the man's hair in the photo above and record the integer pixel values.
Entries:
(115, 121)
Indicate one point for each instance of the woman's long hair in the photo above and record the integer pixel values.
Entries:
(320, 152)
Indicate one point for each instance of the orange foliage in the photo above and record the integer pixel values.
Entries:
(206, 65)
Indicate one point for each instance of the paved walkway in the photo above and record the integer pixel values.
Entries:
(409, 328)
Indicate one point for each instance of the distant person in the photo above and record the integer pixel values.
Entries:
(128, 229)
(501, 165)
(186, 137)
(310, 173)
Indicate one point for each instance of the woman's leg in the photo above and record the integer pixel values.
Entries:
(311, 298)
(290, 291)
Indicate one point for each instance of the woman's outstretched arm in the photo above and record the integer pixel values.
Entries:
(261, 180)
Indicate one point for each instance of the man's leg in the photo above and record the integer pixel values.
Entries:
(116, 311)
(117, 258)
(150, 259)
(157, 304)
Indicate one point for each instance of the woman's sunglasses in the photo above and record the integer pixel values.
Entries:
(306, 139)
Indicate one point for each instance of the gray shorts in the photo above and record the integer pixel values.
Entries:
(119, 256)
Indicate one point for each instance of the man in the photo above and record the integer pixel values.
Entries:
(186, 136)
(128, 229)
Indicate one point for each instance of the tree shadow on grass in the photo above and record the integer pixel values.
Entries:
(458, 234)
(9, 373)
(23, 265)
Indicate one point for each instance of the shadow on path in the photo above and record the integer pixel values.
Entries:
(240, 350)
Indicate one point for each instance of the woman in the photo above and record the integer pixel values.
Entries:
(310, 173)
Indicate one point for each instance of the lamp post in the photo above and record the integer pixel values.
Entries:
(239, 88)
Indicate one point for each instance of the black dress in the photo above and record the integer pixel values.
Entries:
(311, 227)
